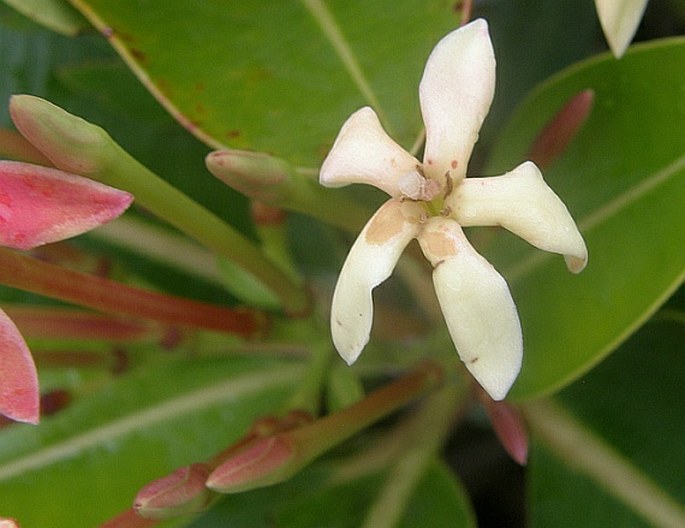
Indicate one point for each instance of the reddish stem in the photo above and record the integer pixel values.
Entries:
(57, 322)
(27, 273)
(14, 146)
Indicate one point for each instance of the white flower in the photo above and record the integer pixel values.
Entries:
(431, 201)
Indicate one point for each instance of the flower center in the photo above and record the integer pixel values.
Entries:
(414, 185)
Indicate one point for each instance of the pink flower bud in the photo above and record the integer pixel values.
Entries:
(179, 493)
(262, 463)
(39, 205)
(509, 427)
(19, 396)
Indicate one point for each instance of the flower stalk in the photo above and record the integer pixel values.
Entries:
(278, 457)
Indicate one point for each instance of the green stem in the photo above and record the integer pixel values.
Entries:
(335, 428)
(171, 205)
(422, 440)
(43, 278)
(307, 396)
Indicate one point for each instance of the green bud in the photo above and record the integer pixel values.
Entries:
(255, 174)
(71, 143)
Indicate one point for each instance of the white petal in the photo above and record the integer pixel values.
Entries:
(364, 153)
(371, 260)
(523, 203)
(620, 19)
(455, 93)
(478, 308)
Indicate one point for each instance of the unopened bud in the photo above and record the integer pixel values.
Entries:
(181, 492)
(39, 205)
(255, 174)
(508, 424)
(19, 395)
(561, 129)
(71, 143)
(8, 523)
(264, 462)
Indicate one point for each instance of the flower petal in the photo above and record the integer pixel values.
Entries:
(19, 396)
(364, 153)
(455, 93)
(620, 19)
(371, 260)
(523, 203)
(478, 308)
(39, 205)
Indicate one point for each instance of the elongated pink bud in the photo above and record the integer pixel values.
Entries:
(561, 129)
(509, 427)
(264, 462)
(19, 395)
(39, 205)
(179, 493)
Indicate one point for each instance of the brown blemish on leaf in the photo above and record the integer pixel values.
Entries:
(138, 55)
(387, 223)
(233, 134)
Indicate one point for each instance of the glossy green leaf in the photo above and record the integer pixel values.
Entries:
(623, 179)
(313, 499)
(631, 419)
(277, 76)
(141, 427)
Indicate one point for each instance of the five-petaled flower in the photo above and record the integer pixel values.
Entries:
(431, 201)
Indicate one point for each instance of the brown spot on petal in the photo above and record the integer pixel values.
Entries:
(454, 164)
(387, 223)
(437, 246)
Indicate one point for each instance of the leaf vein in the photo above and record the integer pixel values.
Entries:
(188, 403)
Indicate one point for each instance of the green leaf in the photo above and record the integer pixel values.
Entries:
(277, 76)
(614, 443)
(623, 179)
(140, 428)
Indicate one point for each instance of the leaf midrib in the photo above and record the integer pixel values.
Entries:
(581, 449)
(168, 409)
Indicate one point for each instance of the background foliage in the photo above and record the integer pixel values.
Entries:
(604, 350)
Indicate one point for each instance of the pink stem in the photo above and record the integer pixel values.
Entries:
(57, 322)
(14, 146)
